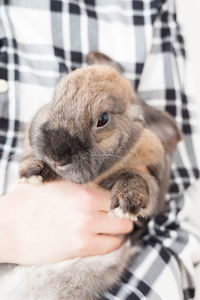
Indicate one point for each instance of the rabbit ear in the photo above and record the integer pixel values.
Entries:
(95, 57)
(163, 125)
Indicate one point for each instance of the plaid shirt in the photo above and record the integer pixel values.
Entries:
(41, 40)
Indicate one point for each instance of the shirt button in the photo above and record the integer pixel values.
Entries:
(3, 86)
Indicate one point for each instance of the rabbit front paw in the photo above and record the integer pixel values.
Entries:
(130, 196)
(35, 172)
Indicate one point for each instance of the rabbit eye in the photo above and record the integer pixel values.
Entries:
(103, 120)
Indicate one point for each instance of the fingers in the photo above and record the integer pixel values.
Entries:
(111, 225)
(103, 244)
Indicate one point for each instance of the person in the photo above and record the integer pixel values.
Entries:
(39, 42)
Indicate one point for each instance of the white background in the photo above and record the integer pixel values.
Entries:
(189, 17)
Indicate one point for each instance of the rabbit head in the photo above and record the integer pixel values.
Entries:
(92, 121)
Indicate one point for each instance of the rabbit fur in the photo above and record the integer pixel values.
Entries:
(128, 155)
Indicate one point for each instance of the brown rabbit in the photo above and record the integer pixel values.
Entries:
(94, 130)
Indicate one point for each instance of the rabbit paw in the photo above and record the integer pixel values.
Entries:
(130, 196)
(34, 171)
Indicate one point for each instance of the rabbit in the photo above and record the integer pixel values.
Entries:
(95, 131)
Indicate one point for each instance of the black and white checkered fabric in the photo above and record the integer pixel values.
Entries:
(41, 40)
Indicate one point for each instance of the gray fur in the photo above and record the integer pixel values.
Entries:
(81, 278)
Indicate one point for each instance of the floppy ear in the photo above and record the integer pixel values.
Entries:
(163, 125)
(95, 57)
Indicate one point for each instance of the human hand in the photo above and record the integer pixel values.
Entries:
(57, 221)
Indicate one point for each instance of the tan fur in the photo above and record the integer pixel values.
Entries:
(84, 88)
(147, 151)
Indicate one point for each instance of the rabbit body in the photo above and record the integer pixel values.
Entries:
(94, 131)
(81, 278)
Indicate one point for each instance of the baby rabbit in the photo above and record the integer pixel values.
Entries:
(95, 131)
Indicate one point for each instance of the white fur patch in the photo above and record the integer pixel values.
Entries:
(118, 212)
(35, 180)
